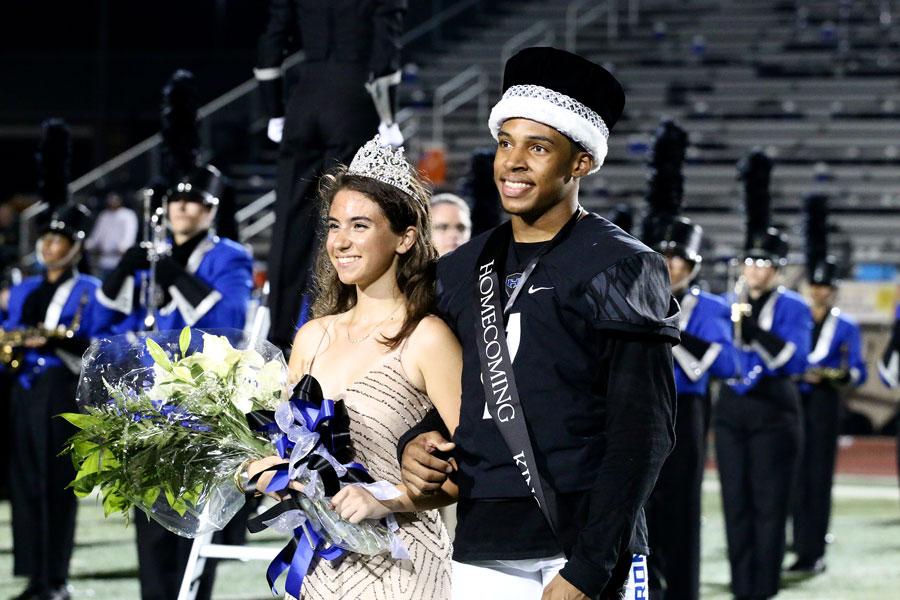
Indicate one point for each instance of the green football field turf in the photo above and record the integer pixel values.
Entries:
(863, 561)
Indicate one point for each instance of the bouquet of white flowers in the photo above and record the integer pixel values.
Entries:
(164, 424)
(169, 426)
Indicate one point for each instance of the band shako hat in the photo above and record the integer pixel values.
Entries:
(72, 220)
(821, 269)
(769, 245)
(762, 241)
(571, 94)
(53, 162)
(201, 184)
(823, 272)
(622, 216)
(665, 181)
(682, 238)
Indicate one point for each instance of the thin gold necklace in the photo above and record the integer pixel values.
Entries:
(373, 329)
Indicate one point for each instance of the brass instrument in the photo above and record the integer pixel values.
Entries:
(12, 342)
(830, 374)
(740, 306)
(833, 376)
(155, 241)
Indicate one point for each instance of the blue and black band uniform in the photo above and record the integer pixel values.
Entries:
(758, 438)
(706, 351)
(206, 283)
(837, 347)
(43, 508)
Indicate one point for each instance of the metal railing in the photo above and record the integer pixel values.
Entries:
(470, 84)
(149, 149)
(577, 17)
(251, 230)
(204, 113)
(435, 23)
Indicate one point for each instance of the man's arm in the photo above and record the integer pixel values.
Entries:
(637, 321)
(270, 54)
(640, 414)
(421, 453)
(387, 26)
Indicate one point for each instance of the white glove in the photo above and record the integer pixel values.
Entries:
(275, 129)
(390, 135)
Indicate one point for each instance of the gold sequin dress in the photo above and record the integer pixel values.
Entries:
(383, 405)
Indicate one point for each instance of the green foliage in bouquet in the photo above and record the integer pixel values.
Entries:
(179, 438)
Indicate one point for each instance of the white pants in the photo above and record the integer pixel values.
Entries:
(526, 579)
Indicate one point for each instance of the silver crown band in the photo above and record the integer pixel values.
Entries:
(384, 164)
(559, 111)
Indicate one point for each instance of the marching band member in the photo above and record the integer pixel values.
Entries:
(757, 418)
(60, 305)
(344, 92)
(835, 363)
(706, 351)
(205, 282)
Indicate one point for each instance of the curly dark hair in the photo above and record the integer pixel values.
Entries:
(415, 269)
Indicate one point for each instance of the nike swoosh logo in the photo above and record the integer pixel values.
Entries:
(533, 289)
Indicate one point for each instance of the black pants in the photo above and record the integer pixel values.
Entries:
(329, 116)
(812, 500)
(673, 510)
(758, 440)
(43, 510)
(162, 556)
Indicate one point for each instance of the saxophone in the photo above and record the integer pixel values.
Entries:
(834, 376)
(13, 341)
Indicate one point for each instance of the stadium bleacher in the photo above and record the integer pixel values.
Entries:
(813, 83)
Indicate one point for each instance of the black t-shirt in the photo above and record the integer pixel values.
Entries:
(592, 356)
(505, 518)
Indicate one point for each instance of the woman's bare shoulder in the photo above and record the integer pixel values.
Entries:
(432, 332)
(310, 336)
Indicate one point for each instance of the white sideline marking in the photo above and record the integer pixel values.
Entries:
(840, 490)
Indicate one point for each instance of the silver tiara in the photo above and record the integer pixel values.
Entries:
(384, 164)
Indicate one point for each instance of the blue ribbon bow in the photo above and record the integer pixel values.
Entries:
(330, 421)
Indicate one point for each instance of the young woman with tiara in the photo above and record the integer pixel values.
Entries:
(374, 344)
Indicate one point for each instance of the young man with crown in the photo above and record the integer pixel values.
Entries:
(60, 303)
(567, 327)
(205, 281)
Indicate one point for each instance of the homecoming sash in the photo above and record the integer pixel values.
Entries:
(497, 376)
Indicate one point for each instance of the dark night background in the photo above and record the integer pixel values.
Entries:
(101, 66)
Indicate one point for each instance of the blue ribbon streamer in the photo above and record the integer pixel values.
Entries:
(318, 415)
